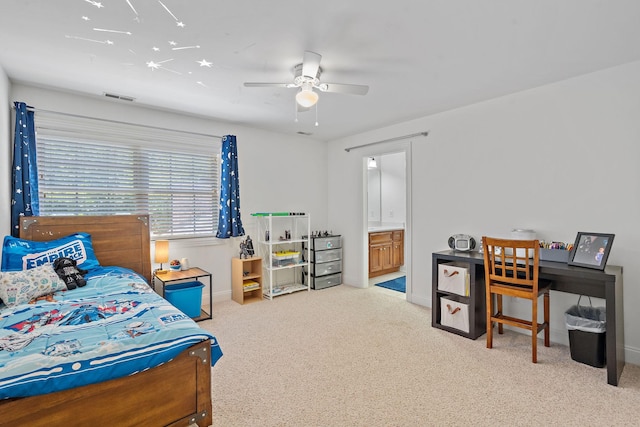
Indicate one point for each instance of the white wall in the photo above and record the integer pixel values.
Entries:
(277, 172)
(569, 151)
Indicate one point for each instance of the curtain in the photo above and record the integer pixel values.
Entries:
(229, 222)
(24, 190)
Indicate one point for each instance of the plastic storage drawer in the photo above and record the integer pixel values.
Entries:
(327, 281)
(454, 314)
(322, 243)
(454, 277)
(327, 268)
(329, 255)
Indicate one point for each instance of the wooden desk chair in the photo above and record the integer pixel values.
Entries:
(510, 272)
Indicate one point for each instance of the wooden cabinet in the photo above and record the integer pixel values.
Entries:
(386, 252)
(246, 279)
(397, 248)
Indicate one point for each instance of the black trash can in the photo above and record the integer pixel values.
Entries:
(587, 326)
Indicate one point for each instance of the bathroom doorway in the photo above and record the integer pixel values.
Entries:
(387, 210)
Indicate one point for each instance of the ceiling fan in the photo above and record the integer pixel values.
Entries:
(307, 78)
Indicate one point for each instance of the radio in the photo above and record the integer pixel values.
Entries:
(462, 242)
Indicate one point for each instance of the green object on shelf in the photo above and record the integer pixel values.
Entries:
(270, 214)
(278, 214)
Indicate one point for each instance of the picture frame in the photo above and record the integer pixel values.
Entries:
(591, 250)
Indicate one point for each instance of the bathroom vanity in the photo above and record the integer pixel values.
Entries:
(386, 251)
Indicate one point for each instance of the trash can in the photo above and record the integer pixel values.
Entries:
(587, 326)
(186, 297)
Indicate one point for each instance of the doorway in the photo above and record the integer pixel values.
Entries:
(387, 206)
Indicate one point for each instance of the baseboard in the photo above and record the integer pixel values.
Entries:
(426, 302)
(221, 296)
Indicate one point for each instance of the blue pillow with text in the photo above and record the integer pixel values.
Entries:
(20, 254)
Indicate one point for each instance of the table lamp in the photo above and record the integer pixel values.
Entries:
(162, 254)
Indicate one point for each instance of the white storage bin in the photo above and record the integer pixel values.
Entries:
(454, 277)
(454, 314)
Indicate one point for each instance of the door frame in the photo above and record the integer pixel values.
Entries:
(380, 150)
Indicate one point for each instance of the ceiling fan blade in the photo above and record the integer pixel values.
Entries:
(344, 88)
(311, 64)
(257, 84)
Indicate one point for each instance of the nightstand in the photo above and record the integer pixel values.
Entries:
(172, 278)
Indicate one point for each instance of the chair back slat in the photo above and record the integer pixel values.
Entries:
(512, 262)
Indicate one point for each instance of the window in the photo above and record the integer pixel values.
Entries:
(94, 167)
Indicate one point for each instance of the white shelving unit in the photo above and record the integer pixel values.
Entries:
(284, 252)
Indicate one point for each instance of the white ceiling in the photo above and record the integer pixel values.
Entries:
(419, 57)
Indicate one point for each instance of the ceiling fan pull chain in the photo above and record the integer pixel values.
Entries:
(317, 113)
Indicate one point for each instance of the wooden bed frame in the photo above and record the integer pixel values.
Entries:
(177, 393)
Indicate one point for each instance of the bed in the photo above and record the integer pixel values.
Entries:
(172, 388)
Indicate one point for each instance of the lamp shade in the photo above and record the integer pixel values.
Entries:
(162, 251)
(306, 97)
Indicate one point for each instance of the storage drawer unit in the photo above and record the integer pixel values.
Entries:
(325, 265)
(474, 301)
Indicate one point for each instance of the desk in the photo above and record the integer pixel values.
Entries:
(605, 284)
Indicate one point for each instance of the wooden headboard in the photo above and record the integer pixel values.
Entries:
(121, 240)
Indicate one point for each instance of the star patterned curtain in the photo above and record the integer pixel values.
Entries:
(229, 222)
(24, 190)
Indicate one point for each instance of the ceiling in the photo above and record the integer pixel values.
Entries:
(418, 57)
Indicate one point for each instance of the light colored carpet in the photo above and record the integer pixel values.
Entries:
(345, 356)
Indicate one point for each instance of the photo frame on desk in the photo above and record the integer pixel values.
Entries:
(591, 250)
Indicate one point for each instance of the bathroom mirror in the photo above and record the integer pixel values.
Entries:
(374, 192)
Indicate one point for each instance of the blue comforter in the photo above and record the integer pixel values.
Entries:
(114, 326)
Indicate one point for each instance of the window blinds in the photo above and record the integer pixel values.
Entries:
(93, 167)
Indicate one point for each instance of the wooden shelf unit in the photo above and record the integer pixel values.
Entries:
(243, 271)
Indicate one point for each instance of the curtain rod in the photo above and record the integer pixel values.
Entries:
(397, 138)
(35, 110)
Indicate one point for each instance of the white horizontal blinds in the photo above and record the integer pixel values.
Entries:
(183, 194)
(92, 167)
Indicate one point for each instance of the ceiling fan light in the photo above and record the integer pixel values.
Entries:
(306, 98)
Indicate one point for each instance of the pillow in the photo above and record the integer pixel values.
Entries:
(20, 287)
(19, 254)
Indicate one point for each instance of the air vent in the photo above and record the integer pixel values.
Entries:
(120, 97)
(304, 133)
